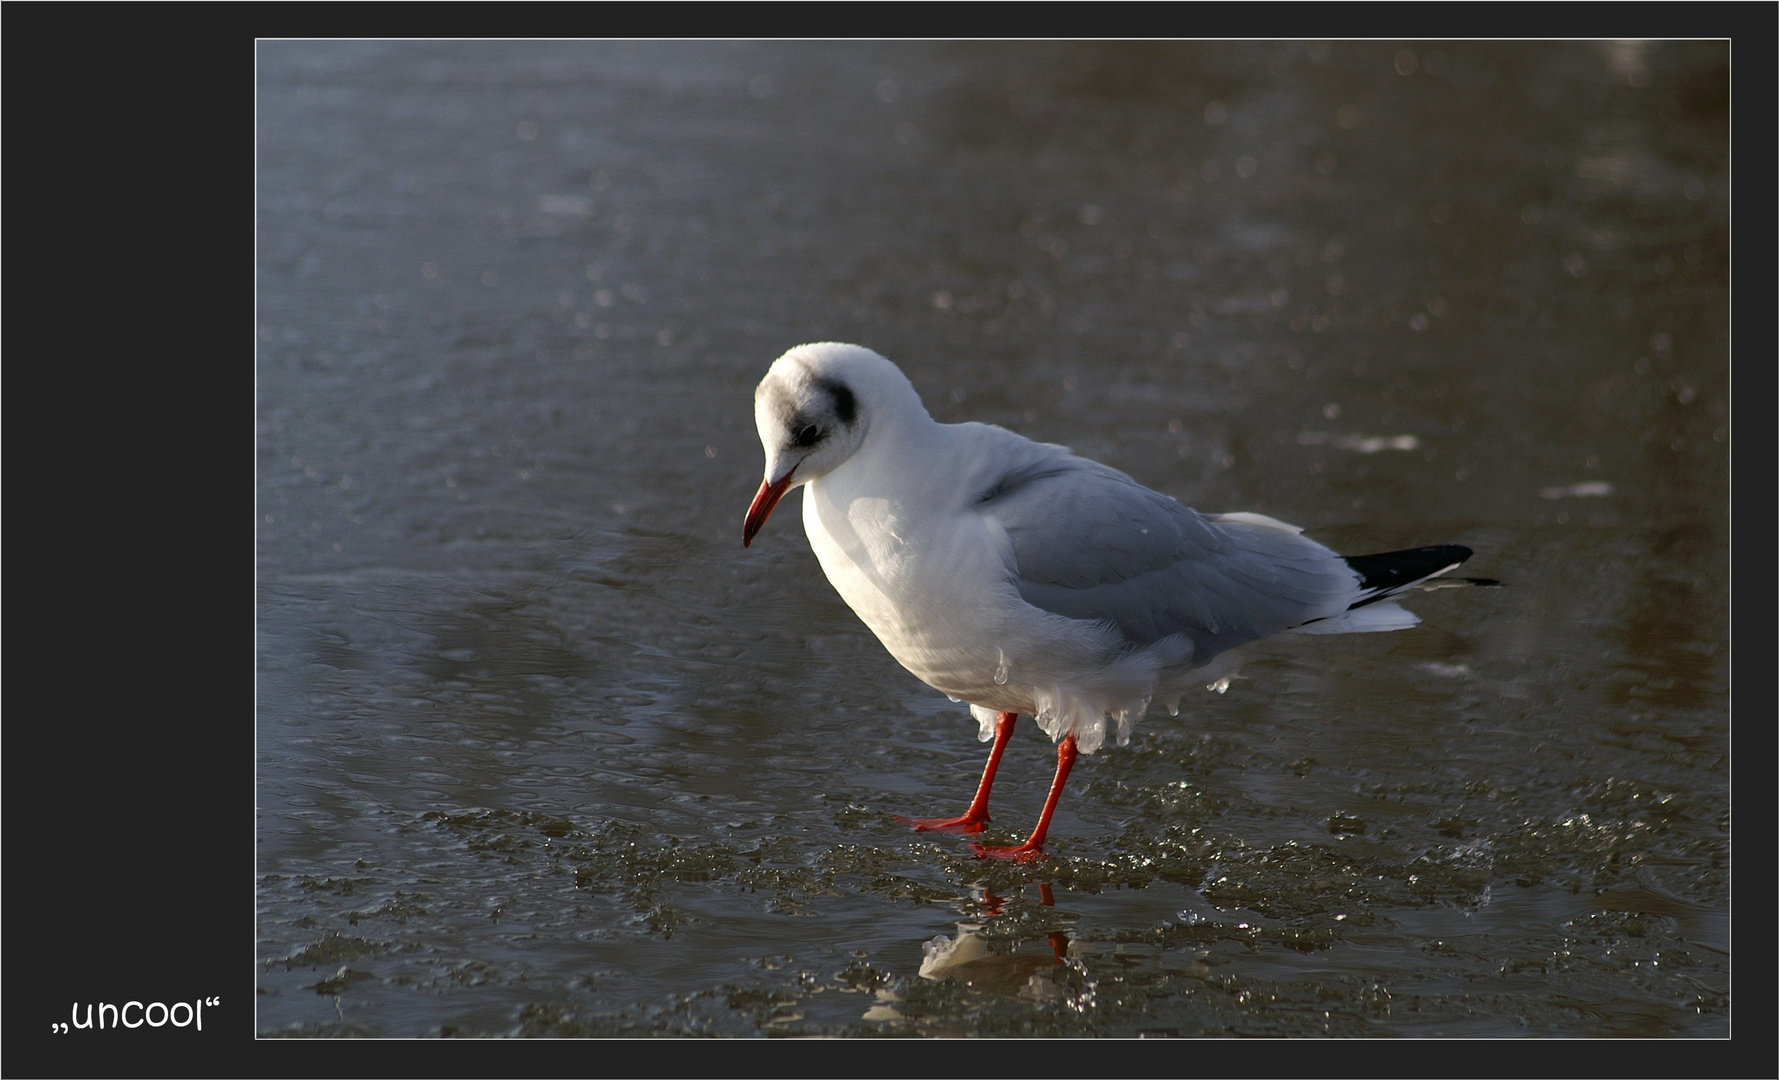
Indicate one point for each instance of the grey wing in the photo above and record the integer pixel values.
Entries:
(1088, 542)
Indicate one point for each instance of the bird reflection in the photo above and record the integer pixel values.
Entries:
(967, 956)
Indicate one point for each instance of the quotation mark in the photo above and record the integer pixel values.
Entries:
(135, 1014)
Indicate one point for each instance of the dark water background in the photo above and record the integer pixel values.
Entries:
(541, 751)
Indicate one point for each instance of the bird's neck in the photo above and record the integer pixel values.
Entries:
(910, 454)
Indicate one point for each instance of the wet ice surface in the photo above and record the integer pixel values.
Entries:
(543, 751)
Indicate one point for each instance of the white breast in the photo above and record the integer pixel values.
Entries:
(936, 587)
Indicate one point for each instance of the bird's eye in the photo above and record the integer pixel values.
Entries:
(808, 434)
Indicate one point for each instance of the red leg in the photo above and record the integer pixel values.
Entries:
(1059, 944)
(1033, 848)
(1059, 941)
(977, 815)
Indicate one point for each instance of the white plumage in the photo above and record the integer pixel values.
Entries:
(1020, 578)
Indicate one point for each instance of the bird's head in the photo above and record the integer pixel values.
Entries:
(813, 410)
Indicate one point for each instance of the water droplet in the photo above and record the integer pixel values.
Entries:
(1001, 670)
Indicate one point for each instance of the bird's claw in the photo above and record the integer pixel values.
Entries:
(1023, 853)
(964, 824)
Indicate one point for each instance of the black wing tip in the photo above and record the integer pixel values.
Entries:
(1389, 572)
(1455, 553)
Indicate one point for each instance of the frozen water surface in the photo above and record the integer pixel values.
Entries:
(542, 751)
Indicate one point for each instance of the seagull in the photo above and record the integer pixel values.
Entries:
(1024, 580)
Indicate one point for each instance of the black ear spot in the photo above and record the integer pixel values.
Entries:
(846, 407)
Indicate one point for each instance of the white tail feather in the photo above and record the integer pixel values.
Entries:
(1383, 615)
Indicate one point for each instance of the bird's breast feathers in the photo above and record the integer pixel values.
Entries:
(933, 597)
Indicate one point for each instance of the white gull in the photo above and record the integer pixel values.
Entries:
(1020, 578)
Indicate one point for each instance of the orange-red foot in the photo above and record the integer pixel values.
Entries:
(1023, 853)
(964, 824)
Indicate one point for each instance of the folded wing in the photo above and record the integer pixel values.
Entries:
(1088, 542)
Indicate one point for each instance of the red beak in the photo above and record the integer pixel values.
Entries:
(770, 492)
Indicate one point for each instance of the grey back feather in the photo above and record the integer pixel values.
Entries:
(1091, 543)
